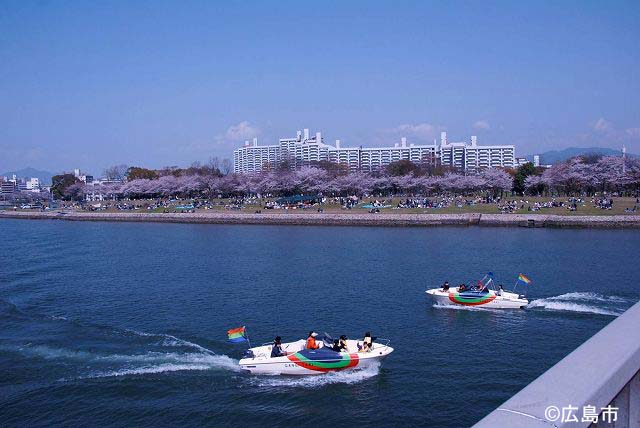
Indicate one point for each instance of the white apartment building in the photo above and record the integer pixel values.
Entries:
(349, 156)
(452, 154)
(474, 158)
(31, 184)
(373, 158)
(304, 150)
(253, 158)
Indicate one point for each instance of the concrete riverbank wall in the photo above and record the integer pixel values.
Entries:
(344, 219)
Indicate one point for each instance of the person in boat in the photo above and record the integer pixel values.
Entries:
(336, 346)
(367, 343)
(311, 341)
(500, 290)
(445, 286)
(276, 349)
(461, 288)
(343, 343)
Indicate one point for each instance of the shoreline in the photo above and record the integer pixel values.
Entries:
(346, 219)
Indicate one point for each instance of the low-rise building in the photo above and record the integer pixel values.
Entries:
(85, 178)
(7, 186)
(521, 161)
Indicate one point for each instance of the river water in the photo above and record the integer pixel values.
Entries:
(120, 324)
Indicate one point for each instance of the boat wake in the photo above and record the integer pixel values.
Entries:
(75, 350)
(582, 302)
(101, 364)
(466, 308)
(209, 363)
(347, 377)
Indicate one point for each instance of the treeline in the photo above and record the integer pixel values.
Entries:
(584, 175)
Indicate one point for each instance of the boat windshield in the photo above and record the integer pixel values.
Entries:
(322, 354)
(326, 339)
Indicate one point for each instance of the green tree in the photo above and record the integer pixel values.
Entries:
(401, 167)
(60, 183)
(521, 175)
(136, 172)
(334, 169)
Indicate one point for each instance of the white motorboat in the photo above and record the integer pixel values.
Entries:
(482, 295)
(302, 361)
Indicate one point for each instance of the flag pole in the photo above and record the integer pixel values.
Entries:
(247, 336)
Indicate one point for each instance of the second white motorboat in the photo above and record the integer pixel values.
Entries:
(482, 295)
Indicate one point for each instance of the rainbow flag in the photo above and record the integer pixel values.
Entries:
(524, 279)
(237, 335)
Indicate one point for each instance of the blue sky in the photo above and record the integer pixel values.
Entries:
(91, 84)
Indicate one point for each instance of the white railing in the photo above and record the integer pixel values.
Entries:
(599, 381)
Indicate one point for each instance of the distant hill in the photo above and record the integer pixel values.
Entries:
(555, 156)
(44, 176)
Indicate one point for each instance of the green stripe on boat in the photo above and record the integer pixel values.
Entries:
(344, 362)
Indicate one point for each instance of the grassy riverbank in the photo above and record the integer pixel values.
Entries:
(538, 205)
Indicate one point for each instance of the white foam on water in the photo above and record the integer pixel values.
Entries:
(316, 381)
(58, 318)
(169, 340)
(145, 361)
(165, 363)
(162, 368)
(49, 353)
(210, 360)
(150, 362)
(556, 304)
(464, 308)
(588, 296)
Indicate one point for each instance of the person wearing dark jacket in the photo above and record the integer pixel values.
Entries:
(343, 343)
(276, 349)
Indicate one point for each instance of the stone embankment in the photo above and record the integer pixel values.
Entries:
(344, 219)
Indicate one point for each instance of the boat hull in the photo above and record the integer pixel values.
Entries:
(491, 300)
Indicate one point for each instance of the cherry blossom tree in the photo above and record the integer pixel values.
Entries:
(310, 179)
(496, 180)
(75, 192)
(534, 184)
(574, 176)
